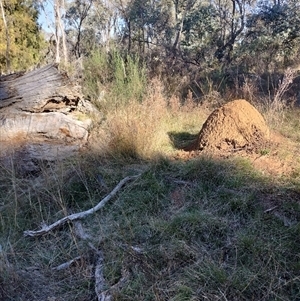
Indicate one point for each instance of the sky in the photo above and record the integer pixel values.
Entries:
(46, 17)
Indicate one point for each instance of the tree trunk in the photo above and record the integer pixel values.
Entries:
(63, 34)
(7, 39)
(57, 30)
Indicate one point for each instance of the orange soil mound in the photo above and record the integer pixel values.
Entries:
(235, 125)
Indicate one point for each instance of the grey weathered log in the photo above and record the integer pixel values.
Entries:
(42, 105)
(42, 90)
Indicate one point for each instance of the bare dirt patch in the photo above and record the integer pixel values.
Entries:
(280, 158)
(233, 126)
(277, 158)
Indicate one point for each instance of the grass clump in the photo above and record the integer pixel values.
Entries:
(290, 127)
(139, 118)
(143, 129)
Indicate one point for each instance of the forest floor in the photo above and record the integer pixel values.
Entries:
(190, 226)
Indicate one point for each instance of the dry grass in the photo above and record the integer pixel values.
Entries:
(143, 129)
(275, 105)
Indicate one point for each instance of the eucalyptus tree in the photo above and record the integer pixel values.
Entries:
(103, 20)
(194, 30)
(231, 16)
(54, 12)
(7, 37)
(59, 7)
(21, 41)
(76, 14)
(153, 24)
(273, 35)
(201, 34)
(149, 25)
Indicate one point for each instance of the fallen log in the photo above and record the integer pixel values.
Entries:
(42, 105)
(42, 90)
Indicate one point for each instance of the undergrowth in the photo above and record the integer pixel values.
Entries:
(187, 229)
(144, 129)
(112, 80)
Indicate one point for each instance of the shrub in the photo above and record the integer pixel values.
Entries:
(113, 79)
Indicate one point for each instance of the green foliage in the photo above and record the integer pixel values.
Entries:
(273, 33)
(212, 48)
(25, 39)
(201, 31)
(97, 74)
(112, 79)
(129, 78)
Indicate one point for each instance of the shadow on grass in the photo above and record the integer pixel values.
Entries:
(205, 229)
(181, 140)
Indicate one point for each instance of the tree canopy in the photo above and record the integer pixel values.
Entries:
(202, 33)
(20, 37)
(177, 36)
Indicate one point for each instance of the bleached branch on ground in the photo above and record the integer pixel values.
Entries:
(67, 264)
(80, 215)
(103, 293)
(99, 279)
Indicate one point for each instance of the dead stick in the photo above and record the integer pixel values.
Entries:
(67, 264)
(80, 215)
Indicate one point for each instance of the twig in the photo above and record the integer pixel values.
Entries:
(80, 215)
(270, 209)
(79, 231)
(67, 264)
(100, 290)
(103, 293)
(100, 283)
